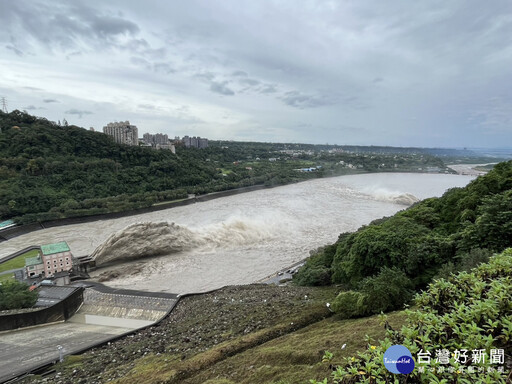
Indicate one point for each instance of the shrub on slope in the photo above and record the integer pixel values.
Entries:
(469, 311)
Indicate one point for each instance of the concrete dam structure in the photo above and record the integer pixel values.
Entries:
(105, 314)
(121, 310)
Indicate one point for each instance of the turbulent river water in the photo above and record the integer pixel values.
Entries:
(238, 239)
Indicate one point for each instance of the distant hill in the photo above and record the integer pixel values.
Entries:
(49, 171)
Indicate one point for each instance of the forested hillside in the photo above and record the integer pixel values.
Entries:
(395, 255)
(45, 168)
(49, 171)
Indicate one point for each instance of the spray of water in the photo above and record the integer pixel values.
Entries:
(147, 239)
(387, 195)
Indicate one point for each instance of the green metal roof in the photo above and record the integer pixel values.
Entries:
(50, 249)
(32, 261)
(6, 223)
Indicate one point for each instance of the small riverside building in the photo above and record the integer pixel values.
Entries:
(52, 258)
(34, 266)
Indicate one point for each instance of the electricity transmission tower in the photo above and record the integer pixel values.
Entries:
(4, 104)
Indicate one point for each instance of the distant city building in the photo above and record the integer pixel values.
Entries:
(195, 142)
(158, 141)
(122, 132)
(158, 138)
(92, 129)
(52, 259)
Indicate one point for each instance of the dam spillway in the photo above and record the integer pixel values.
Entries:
(121, 310)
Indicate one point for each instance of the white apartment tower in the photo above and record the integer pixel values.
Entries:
(122, 132)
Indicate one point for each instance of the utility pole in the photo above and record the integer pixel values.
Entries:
(4, 104)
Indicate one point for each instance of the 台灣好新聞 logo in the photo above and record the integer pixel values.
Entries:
(398, 359)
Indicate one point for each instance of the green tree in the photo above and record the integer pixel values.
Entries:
(493, 227)
(14, 295)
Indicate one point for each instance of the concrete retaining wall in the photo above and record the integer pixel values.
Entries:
(61, 311)
(12, 232)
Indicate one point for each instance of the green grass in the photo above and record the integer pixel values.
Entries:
(5, 278)
(286, 358)
(17, 262)
(226, 171)
(297, 356)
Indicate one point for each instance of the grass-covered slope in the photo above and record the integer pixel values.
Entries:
(452, 232)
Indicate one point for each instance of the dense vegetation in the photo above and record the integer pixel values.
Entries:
(432, 238)
(48, 171)
(14, 295)
(468, 311)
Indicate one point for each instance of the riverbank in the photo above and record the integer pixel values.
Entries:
(468, 169)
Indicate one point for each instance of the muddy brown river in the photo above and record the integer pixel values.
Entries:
(243, 238)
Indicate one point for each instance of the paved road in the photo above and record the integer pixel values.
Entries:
(11, 271)
(23, 350)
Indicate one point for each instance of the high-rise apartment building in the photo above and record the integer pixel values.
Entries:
(195, 142)
(122, 132)
(158, 138)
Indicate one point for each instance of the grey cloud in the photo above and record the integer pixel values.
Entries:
(439, 61)
(67, 24)
(50, 101)
(78, 112)
(355, 102)
(73, 54)
(163, 68)
(87, 22)
(302, 101)
(29, 107)
(220, 87)
(146, 106)
(268, 88)
(160, 67)
(493, 114)
(106, 26)
(240, 73)
(139, 61)
(250, 82)
(137, 44)
(205, 76)
(15, 50)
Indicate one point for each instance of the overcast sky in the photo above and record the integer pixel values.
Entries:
(402, 73)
